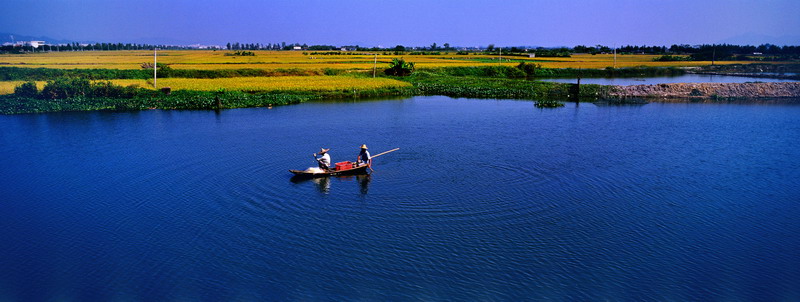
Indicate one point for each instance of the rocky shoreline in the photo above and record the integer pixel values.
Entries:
(708, 90)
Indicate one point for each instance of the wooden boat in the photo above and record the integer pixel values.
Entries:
(353, 170)
(362, 169)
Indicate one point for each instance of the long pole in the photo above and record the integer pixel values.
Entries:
(615, 56)
(155, 65)
(382, 153)
(375, 65)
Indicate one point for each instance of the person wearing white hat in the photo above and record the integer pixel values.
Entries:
(324, 160)
(364, 157)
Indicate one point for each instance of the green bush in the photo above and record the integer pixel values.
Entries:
(62, 88)
(399, 67)
(109, 90)
(669, 58)
(528, 68)
(243, 53)
(27, 89)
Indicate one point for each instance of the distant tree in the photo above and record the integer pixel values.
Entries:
(399, 48)
(446, 46)
(490, 47)
(434, 46)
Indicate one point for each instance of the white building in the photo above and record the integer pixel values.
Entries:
(35, 44)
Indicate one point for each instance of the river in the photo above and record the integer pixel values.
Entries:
(485, 200)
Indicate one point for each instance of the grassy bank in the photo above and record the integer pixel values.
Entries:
(75, 94)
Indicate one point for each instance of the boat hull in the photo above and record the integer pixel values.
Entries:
(354, 171)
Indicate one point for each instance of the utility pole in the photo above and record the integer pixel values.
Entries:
(713, 55)
(615, 55)
(375, 65)
(501, 54)
(155, 67)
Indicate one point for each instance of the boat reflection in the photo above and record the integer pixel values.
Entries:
(323, 184)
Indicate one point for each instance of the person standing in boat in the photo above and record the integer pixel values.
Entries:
(363, 156)
(324, 159)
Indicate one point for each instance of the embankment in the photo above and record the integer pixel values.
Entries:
(708, 90)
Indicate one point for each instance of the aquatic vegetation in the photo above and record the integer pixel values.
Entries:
(12, 104)
(548, 104)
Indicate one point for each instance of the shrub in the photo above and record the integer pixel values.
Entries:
(528, 68)
(244, 53)
(109, 90)
(399, 67)
(62, 88)
(27, 89)
(669, 58)
(331, 71)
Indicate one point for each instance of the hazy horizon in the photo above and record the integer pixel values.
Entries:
(412, 23)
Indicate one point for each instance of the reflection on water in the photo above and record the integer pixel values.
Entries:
(363, 182)
(323, 184)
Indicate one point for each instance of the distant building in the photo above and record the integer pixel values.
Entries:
(34, 44)
(297, 48)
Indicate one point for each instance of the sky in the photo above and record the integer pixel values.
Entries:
(411, 23)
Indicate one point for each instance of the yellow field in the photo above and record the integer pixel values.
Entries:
(308, 83)
(201, 59)
(305, 83)
(272, 60)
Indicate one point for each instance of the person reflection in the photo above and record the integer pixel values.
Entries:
(323, 184)
(363, 182)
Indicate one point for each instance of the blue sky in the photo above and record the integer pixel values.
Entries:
(410, 23)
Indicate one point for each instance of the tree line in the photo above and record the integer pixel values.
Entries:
(695, 52)
(75, 46)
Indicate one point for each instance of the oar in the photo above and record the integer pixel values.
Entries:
(382, 153)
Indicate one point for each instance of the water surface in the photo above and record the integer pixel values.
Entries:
(486, 200)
